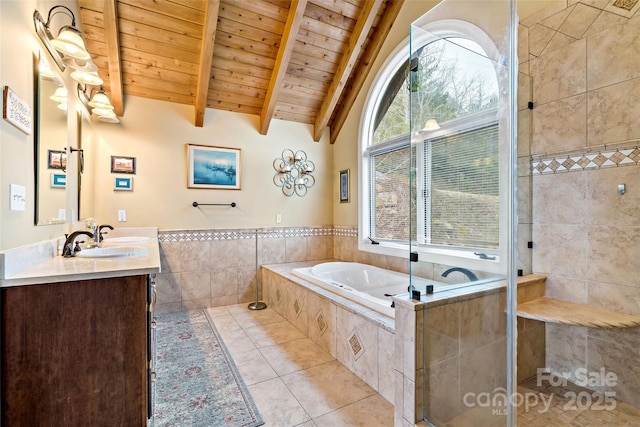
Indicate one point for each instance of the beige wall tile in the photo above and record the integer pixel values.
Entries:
(560, 125)
(246, 284)
(170, 256)
(612, 55)
(442, 389)
(224, 282)
(224, 254)
(567, 289)
(386, 354)
(579, 20)
(560, 198)
(359, 357)
(247, 252)
(168, 287)
(621, 360)
(624, 299)
(539, 37)
(479, 320)
(195, 256)
(195, 285)
(612, 113)
(613, 253)
(560, 250)
(560, 74)
(442, 332)
(531, 351)
(566, 348)
(605, 205)
(322, 322)
(604, 22)
(273, 251)
(316, 247)
(295, 249)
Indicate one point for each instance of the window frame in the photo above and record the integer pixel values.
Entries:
(439, 255)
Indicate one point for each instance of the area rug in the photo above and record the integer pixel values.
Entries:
(197, 383)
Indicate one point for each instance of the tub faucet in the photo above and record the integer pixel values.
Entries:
(68, 250)
(472, 277)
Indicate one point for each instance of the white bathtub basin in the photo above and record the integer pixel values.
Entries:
(113, 251)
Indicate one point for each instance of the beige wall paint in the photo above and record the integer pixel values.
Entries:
(156, 134)
(18, 42)
(346, 145)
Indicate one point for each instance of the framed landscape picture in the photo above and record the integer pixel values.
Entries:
(213, 167)
(121, 164)
(344, 186)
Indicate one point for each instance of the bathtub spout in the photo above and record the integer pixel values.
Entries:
(472, 277)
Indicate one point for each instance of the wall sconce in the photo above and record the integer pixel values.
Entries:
(75, 54)
(100, 105)
(294, 173)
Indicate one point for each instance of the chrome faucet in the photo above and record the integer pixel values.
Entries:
(69, 250)
(472, 277)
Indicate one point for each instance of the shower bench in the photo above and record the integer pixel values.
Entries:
(569, 313)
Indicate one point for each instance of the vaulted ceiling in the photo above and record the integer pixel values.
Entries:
(299, 60)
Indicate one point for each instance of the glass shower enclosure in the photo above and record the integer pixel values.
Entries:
(462, 83)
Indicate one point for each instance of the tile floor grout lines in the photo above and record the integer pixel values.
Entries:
(294, 382)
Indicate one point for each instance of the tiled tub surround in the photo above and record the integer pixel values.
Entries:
(212, 268)
(584, 62)
(463, 334)
(461, 331)
(359, 338)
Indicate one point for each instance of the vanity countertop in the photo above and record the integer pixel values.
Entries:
(60, 269)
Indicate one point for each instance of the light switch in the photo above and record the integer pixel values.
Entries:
(122, 215)
(18, 196)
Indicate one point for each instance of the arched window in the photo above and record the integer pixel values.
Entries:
(430, 150)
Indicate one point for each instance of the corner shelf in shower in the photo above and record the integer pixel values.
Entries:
(569, 313)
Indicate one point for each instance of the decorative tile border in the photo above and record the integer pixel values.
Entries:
(595, 158)
(250, 233)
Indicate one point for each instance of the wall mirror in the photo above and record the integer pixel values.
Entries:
(49, 143)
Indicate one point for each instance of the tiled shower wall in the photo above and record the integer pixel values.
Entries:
(584, 63)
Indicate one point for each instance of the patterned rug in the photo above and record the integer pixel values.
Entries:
(197, 382)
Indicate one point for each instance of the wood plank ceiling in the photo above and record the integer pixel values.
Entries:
(299, 60)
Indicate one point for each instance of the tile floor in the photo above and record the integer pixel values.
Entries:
(292, 380)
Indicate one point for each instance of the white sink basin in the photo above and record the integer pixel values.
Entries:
(113, 251)
(126, 239)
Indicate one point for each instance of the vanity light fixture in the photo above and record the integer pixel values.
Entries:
(101, 100)
(294, 173)
(60, 95)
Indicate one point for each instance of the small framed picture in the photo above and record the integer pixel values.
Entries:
(58, 180)
(344, 186)
(121, 164)
(56, 159)
(123, 183)
(213, 167)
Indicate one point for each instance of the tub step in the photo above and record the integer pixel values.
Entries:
(569, 313)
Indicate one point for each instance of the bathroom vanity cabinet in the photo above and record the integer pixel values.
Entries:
(76, 353)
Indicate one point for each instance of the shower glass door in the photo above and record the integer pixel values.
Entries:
(462, 180)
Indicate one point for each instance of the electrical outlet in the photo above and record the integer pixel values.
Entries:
(278, 218)
(122, 215)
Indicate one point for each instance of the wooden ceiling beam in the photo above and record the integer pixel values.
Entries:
(287, 43)
(206, 57)
(370, 55)
(112, 38)
(356, 43)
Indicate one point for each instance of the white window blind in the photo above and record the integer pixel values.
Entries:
(460, 189)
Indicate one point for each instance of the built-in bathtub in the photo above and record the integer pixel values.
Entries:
(367, 285)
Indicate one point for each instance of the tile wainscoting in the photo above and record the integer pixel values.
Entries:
(212, 268)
